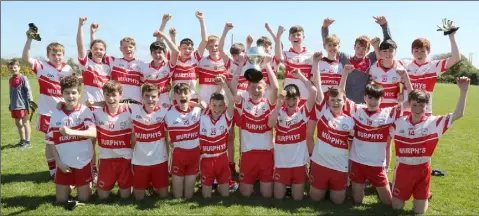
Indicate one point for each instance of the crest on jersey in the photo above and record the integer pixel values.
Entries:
(222, 128)
(361, 118)
(186, 122)
(193, 118)
(344, 126)
(381, 121)
(213, 131)
(159, 119)
(424, 131)
(123, 125)
(395, 79)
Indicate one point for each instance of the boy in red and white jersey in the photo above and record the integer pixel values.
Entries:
(424, 73)
(232, 63)
(183, 122)
(384, 72)
(215, 125)
(160, 69)
(114, 135)
(370, 150)
(329, 160)
(290, 151)
(256, 136)
(95, 66)
(49, 74)
(416, 136)
(150, 154)
(127, 70)
(296, 57)
(68, 139)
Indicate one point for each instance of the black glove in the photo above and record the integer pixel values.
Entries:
(34, 35)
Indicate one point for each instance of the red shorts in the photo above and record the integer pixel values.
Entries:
(19, 114)
(291, 175)
(256, 164)
(215, 168)
(156, 174)
(185, 162)
(323, 178)
(360, 172)
(77, 177)
(114, 170)
(411, 180)
(43, 122)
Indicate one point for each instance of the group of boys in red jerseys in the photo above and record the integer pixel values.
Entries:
(129, 110)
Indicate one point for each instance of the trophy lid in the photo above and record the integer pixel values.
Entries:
(256, 51)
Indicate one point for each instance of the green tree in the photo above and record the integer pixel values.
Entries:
(463, 68)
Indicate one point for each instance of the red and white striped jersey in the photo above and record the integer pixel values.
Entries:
(159, 76)
(74, 151)
(114, 132)
(95, 75)
(415, 142)
(331, 149)
(371, 132)
(207, 70)
(185, 72)
(183, 126)
(214, 134)
(330, 73)
(424, 76)
(363, 65)
(389, 80)
(149, 129)
(231, 69)
(49, 83)
(129, 75)
(302, 60)
(255, 133)
(290, 148)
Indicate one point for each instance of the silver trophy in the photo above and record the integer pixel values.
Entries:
(447, 27)
(255, 55)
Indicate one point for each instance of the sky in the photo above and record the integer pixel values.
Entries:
(58, 21)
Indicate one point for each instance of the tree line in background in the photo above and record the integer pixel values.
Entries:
(463, 68)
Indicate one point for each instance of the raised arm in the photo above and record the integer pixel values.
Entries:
(80, 45)
(164, 20)
(309, 85)
(273, 83)
(172, 32)
(463, 84)
(174, 50)
(88, 133)
(228, 27)
(26, 51)
(383, 22)
(221, 80)
(375, 43)
(325, 28)
(455, 55)
(273, 118)
(317, 76)
(346, 71)
(249, 41)
(270, 31)
(236, 74)
(93, 28)
(204, 33)
(278, 50)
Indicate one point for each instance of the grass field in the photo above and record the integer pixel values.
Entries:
(26, 189)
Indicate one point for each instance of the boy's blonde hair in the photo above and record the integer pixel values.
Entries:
(128, 40)
(55, 47)
(212, 39)
(332, 39)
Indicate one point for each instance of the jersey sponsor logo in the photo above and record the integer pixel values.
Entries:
(69, 138)
(49, 75)
(389, 94)
(129, 80)
(370, 135)
(332, 140)
(113, 142)
(412, 151)
(203, 130)
(420, 86)
(214, 148)
(185, 75)
(255, 126)
(329, 82)
(287, 138)
(186, 136)
(147, 136)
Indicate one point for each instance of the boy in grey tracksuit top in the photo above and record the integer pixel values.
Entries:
(20, 100)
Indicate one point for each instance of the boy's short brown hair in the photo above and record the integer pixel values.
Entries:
(70, 82)
(388, 44)
(292, 91)
(421, 43)
(333, 39)
(128, 40)
(236, 49)
(335, 91)
(181, 87)
(263, 41)
(55, 47)
(374, 90)
(419, 96)
(363, 41)
(157, 46)
(13, 62)
(295, 29)
(217, 96)
(186, 42)
(112, 86)
(149, 87)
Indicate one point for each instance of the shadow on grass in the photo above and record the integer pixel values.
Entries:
(36, 177)
(29, 203)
